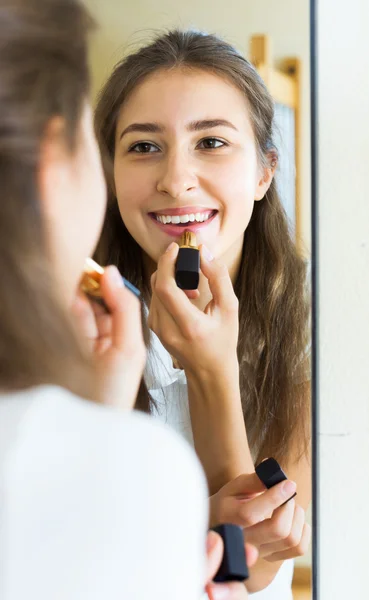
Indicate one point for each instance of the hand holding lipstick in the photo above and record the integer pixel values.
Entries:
(230, 590)
(113, 334)
(205, 345)
(202, 341)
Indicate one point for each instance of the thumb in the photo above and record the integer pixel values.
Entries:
(252, 555)
(214, 551)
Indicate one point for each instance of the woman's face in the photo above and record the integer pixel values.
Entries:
(73, 191)
(185, 159)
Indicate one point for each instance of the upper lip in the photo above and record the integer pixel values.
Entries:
(183, 210)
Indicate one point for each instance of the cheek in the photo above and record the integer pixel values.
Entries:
(132, 189)
(236, 185)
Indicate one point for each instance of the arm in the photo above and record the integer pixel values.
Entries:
(205, 343)
(218, 427)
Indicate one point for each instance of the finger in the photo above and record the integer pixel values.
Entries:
(245, 485)
(170, 295)
(220, 283)
(274, 529)
(248, 513)
(85, 320)
(230, 589)
(103, 345)
(252, 554)
(214, 551)
(192, 294)
(160, 321)
(125, 311)
(293, 538)
(299, 550)
(227, 591)
(103, 322)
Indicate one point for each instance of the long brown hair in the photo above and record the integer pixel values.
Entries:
(271, 282)
(43, 73)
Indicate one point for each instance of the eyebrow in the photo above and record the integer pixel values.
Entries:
(200, 125)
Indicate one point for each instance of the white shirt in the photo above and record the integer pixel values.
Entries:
(96, 504)
(168, 387)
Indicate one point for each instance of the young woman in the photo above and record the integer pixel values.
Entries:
(89, 495)
(185, 129)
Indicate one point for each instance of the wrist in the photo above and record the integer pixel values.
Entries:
(226, 374)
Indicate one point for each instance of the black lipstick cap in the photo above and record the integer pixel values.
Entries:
(271, 473)
(233, 566)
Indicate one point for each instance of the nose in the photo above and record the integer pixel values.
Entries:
(177, 177)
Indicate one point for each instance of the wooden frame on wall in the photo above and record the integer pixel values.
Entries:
(284, 84)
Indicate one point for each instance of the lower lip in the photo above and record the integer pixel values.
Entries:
(177, 230)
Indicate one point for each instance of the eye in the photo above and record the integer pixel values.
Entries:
(211, 143)
(143, 148)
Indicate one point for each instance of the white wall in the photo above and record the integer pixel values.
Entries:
(344, 297)
(287, 21)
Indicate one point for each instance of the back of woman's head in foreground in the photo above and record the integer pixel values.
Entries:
(44, 84)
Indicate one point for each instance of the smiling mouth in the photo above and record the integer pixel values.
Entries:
(185, 219)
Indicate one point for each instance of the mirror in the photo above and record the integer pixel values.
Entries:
(274, 37)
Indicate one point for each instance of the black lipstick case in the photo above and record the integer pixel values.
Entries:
(233, 566)
(187, 271)
(271, 473)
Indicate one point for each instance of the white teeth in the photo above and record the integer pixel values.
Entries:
(190, 218)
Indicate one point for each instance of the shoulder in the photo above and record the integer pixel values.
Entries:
(60, 429)
(105, 489)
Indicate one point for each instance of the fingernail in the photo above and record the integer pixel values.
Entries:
(170, 247)
(219, 591)
(207, 254)
(289, 488)
(115, 277)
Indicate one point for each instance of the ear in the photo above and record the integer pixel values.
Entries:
(53, 163)
(267, 174)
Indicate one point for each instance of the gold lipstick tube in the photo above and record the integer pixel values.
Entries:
(91, 280)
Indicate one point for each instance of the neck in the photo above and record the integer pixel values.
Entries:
(231, 258)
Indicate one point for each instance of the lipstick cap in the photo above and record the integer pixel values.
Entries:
(271, 474)
(233, 566)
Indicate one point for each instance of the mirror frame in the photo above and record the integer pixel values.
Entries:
(314, 297)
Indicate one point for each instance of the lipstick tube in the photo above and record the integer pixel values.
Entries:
(187, 271)
(91, 279)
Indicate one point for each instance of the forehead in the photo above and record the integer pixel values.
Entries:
(177, 96)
